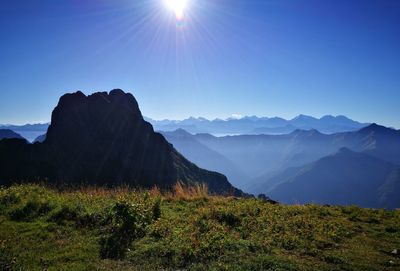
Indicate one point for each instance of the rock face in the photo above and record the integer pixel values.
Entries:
(102, 139)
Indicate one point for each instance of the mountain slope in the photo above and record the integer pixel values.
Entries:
(344, 178)
(39, 139)
(204, 157)
(259, 155)
(7, 133)
(379, 141)
(102, 139)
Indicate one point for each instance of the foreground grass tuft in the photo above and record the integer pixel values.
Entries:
(120, 229)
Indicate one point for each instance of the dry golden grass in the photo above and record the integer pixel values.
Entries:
(199, 190)
(103, 191)
(179, 191)
(155, 192)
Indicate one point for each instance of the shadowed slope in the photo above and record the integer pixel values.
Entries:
(203, 156)
(7, 133)
(344, 178)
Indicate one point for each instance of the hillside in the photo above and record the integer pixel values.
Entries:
(99, 229)
(7, 133)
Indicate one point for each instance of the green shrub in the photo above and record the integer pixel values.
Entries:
(65, 213)
(127, 222)
(391, 229)
(33, 209)
(157, 208)
(334, 259)
(227, 217)
(10, 198)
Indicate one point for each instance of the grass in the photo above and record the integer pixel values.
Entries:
(120, 229)
(198, 191)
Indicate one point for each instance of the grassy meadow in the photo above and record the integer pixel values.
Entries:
(121, 229)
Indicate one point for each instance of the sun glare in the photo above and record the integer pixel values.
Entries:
(178, 7)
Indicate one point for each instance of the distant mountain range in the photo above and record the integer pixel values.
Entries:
(357, 165)
(28, 131)
(259, 125)
(102, 139)
(231, 126)
(259, 163)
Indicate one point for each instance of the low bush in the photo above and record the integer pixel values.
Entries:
(32, 209)
(226, 217)
(126, 223)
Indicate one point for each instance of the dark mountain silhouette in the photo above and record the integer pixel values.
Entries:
(102, 139)
(204, 157)
(259, 125)
(344, 178)
(7, 133)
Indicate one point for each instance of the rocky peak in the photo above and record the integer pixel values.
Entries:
(102, 139)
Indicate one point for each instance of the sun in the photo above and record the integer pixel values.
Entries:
(178, 7)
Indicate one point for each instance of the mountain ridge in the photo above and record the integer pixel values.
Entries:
(229, 126)
(254, 124)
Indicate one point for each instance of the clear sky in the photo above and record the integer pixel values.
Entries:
(247, 57)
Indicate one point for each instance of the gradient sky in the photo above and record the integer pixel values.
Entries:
(247, 57)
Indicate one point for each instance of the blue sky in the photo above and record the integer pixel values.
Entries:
(247, 57)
